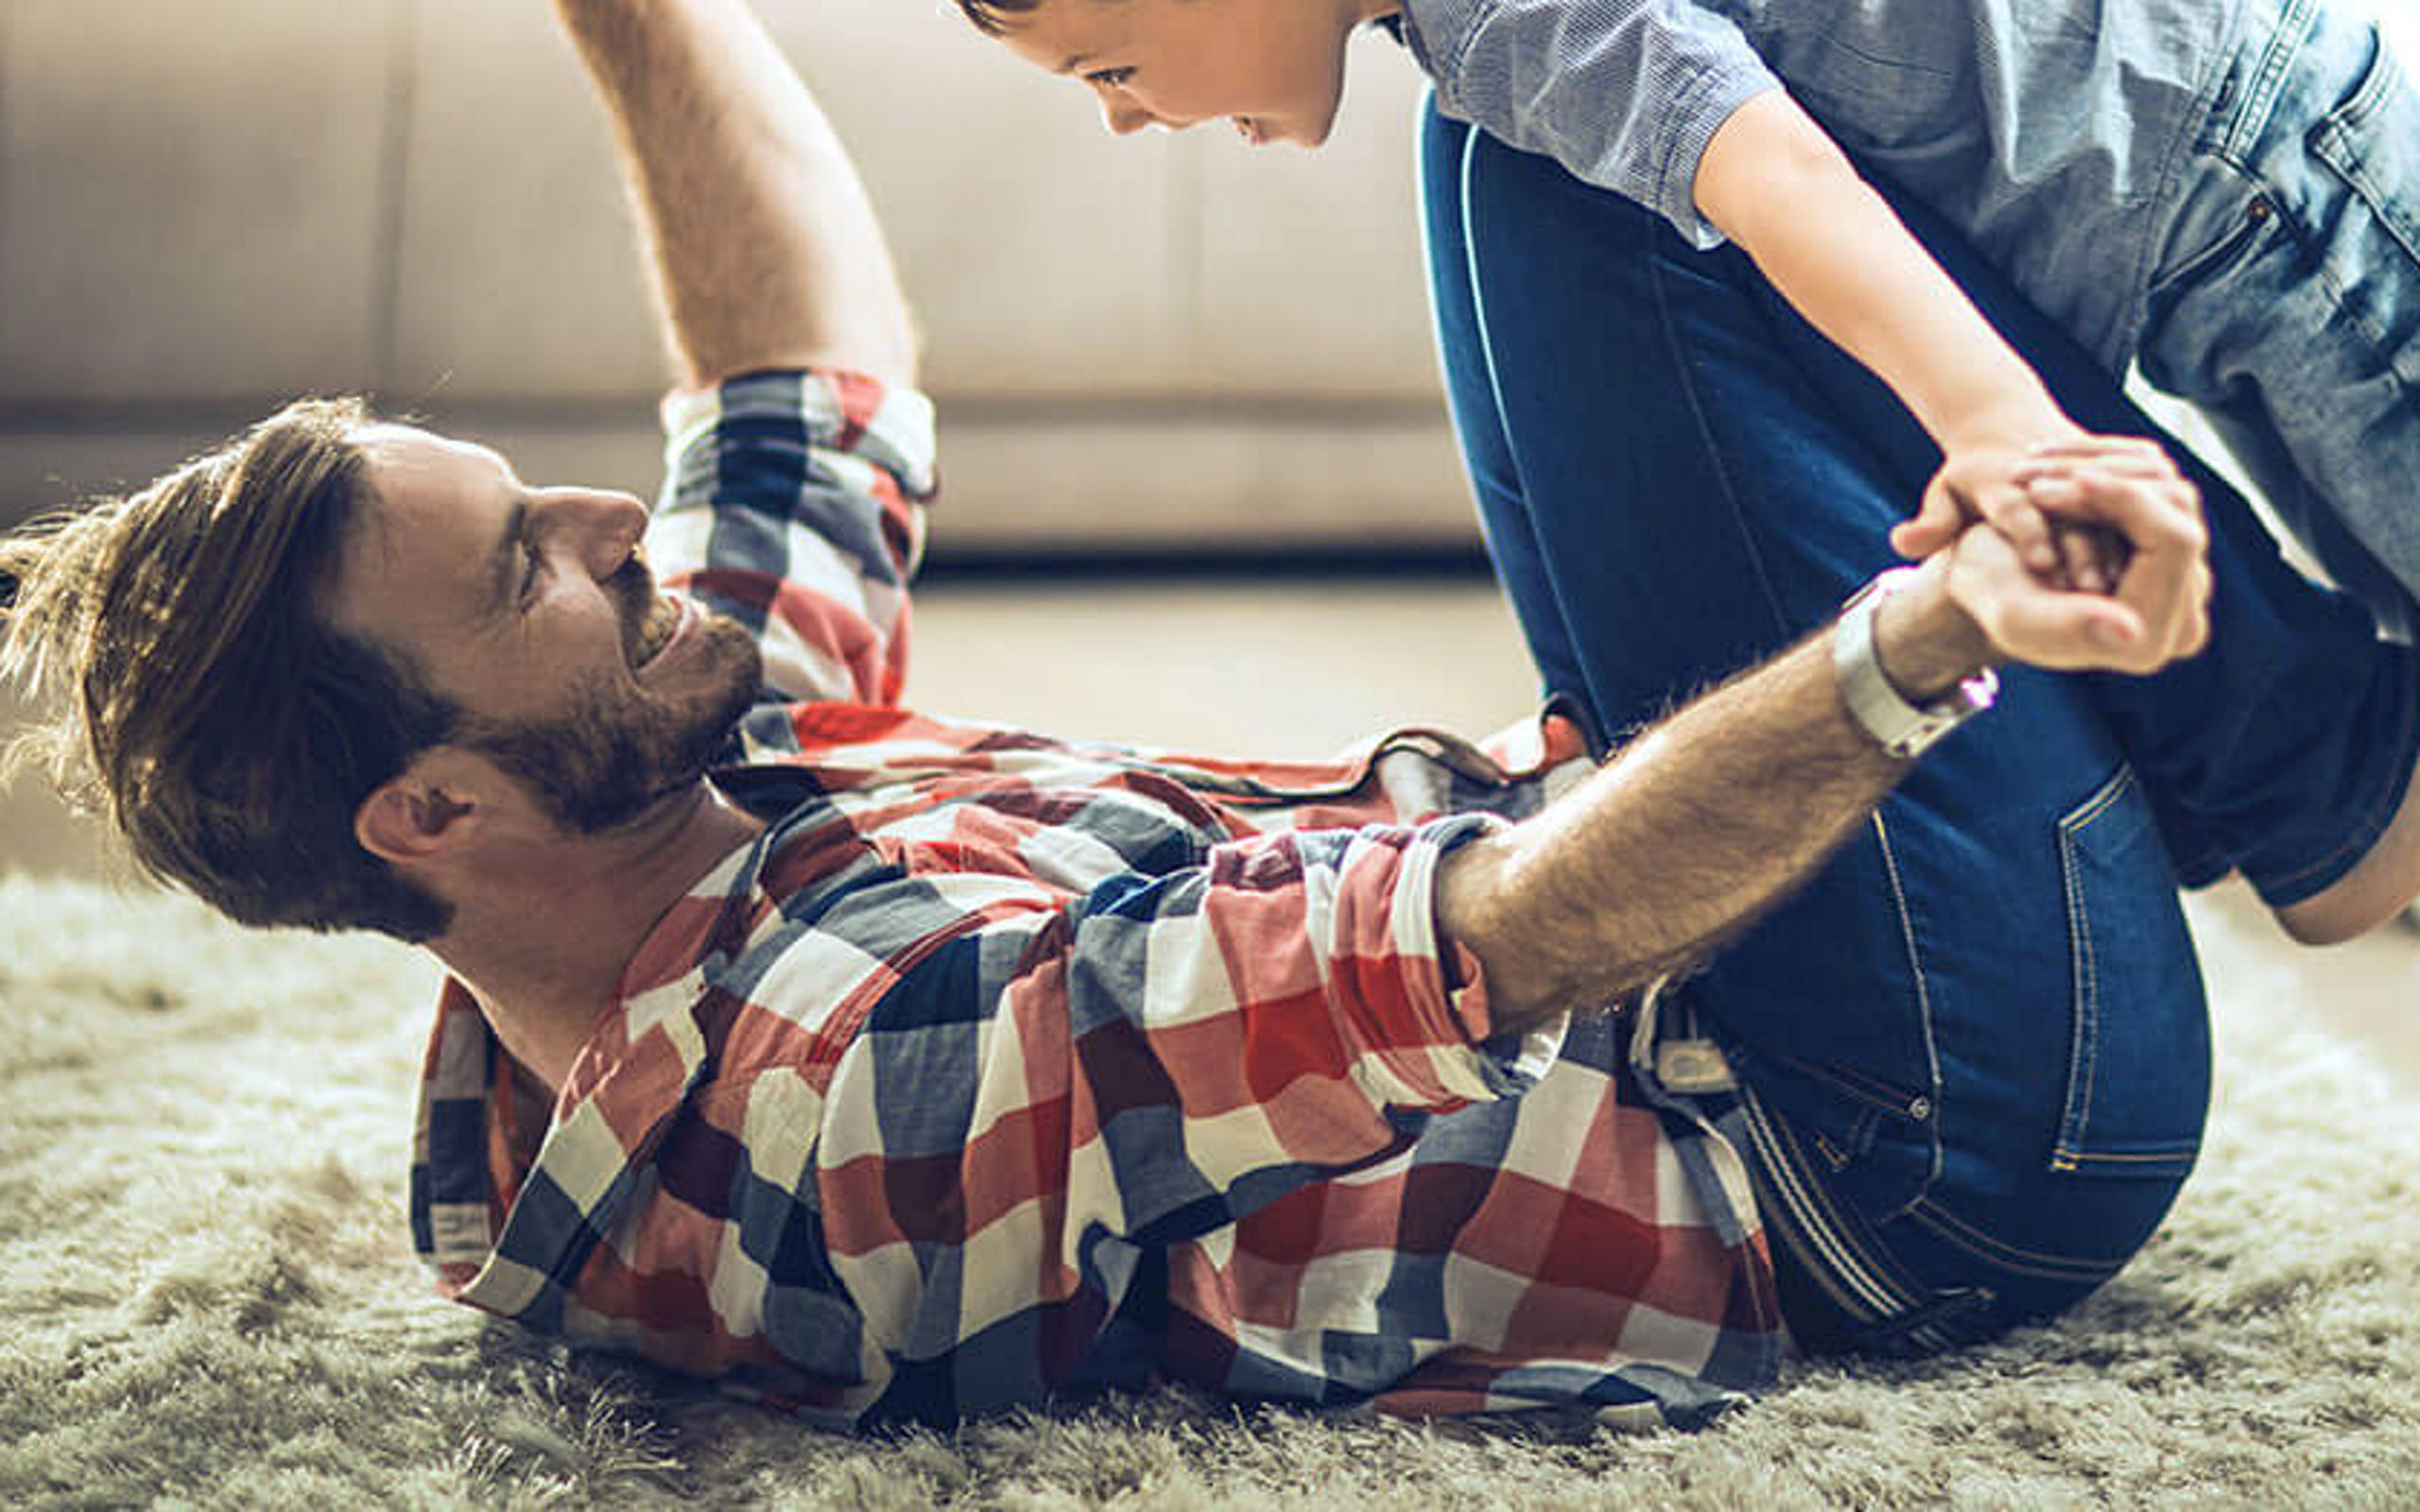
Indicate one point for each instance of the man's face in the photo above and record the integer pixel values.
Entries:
(1275, 68)
(531, 610)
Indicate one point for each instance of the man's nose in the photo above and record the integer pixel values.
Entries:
(602, 524)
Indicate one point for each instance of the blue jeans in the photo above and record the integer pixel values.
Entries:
(1971, 1055)
(2285, 301)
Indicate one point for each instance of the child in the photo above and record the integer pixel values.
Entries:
(2226, 190)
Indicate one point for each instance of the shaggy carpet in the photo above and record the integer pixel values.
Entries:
(210, 1302)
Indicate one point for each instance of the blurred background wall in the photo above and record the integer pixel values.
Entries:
(1167, 342)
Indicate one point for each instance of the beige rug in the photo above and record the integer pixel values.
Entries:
(209, 1300)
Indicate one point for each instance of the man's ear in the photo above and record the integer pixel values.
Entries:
(437, 804)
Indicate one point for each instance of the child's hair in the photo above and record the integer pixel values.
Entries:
(991, 17)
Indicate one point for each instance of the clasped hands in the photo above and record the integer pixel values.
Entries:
(2085, 552)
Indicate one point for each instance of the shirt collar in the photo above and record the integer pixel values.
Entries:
(509, 1236)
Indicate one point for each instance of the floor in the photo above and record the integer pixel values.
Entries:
(1226, 668)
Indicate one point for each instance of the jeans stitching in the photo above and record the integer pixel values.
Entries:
(2333, 133)
(1875, 823)
(2293, 27)
(2337, 142)
(2169, 1156)
(1933, 1142)
(2014, 1258)
(2084, 980)
(1714, 451)
(1838, 1250)
(1868, 1091)
(2068, 1149)
(2238, 244)
(1478, 299)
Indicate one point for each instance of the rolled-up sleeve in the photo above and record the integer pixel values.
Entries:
(793, 503)
(1626, 94)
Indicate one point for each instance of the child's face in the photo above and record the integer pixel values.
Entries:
(1275, 68)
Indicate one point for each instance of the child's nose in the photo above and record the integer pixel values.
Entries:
(1124, 117)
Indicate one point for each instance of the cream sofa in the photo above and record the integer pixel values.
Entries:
(1168, 341)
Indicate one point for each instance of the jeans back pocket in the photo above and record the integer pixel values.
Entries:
(2139, 1067)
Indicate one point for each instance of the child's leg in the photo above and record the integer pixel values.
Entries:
(2384, 881)
(1512, 544)
(1974, 1045)
(1909, 1025)
(2288, 300)
(2285, 750)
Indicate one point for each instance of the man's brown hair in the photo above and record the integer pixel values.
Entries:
(202, 702)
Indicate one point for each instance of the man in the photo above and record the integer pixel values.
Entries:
(896, 1068)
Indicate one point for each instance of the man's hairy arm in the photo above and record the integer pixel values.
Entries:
(765, 250)
(1717, 814)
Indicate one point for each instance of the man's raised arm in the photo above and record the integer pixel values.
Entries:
(764, 249)
(1718, 813)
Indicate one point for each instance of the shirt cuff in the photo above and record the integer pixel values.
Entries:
(843, 411)
(1506, 1064)
(1690, 128)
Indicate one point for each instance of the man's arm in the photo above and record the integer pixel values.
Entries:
(1721, 811)
(765, 249)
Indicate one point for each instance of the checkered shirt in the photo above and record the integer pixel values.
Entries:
(1000, 1069)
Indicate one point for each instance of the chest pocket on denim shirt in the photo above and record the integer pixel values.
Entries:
(2139, 1067)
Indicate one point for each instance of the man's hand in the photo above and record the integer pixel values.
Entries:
(1987, 482)
(1699, 825)
(2154, 607)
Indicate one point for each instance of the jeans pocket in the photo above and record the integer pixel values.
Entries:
(2138, 1064)
(2369, 142)
(2226, 235)
(2371, 251)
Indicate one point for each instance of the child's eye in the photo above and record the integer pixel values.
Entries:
(1110, 77)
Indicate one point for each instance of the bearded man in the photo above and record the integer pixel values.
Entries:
(893, 1067)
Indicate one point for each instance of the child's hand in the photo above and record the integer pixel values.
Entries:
(2156, 611)
(2062, 478)
(1994, 485)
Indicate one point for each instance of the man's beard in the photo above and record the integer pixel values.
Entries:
(622, 746)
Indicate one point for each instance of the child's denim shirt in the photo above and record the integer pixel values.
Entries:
(2051, 132)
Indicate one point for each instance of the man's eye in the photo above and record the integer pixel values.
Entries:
(528, 570)
(1110, 77)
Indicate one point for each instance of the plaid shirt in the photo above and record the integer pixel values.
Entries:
(1000, 1068)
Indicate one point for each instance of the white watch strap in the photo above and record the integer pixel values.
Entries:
(1901, 728)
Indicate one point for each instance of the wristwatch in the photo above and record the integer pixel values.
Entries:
(1903, 728)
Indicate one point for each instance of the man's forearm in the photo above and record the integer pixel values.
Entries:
(764, 249)
(1694, 829)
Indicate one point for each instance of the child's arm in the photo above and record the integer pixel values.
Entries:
(1774, 182)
